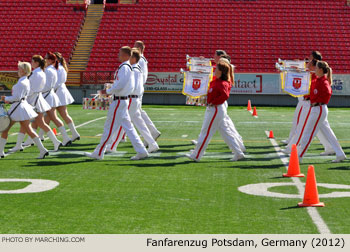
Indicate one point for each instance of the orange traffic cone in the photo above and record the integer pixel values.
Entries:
(311, 193)
(54, 131)
(249, 107)
(293, 167)
(271, 134)
(254, 112)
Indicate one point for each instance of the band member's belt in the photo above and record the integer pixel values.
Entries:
(317, 104)
(120, 98)
(19, 102)
(22, 99)
(133, 96)
(46, 93)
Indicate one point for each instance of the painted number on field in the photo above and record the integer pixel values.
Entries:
(35, 186)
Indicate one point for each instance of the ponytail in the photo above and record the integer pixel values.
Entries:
(330, 76)
(232, 75)
(62, 61)
(52, 56)
(39, 59)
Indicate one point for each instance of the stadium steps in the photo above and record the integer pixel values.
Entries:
(75, 1)
(126, 1)
(85, 43)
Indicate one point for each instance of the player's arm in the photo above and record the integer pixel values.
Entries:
(121, 80)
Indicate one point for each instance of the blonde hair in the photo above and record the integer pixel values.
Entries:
(326, 70)
(26, 67)
(139, 44)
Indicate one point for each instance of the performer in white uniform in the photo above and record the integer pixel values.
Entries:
(35, 98)
(320, 94)
(65, 96)
(144, 67)
(304, 109)
(118, 111)
(51, 97)
(135, 108)
(21, 111)
(218, 93)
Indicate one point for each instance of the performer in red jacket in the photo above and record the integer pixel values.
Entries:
(320, 94)
(218, 93)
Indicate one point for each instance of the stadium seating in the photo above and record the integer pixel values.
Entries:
(255, 33)
(35, 27)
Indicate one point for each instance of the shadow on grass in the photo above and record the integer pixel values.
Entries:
(56, 163)
(291, 207)
(249, 167)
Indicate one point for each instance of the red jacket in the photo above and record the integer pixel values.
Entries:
(320, 91)
(313, 79)
(219, 92)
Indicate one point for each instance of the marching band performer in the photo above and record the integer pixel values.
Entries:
(21, 111)
(304, 110)
(135, 108)
(118, 111)
(51, 71)
(144, 67)
(35, 98)
(320, 94)
(218, 93)
(64, 96)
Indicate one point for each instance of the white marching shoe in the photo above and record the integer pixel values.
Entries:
(328, 153)
(2, 154)
(28, 142)
(93, 156)
(43, 154)
(15, 149)
(189, 155)
(57, 146)
(75, 138)
(194, 142)
(238, 157)
(139, 156)
(67, 143)
(339, 159)
(285, 141)
(286, 151)
(156, 136)
(153, 148)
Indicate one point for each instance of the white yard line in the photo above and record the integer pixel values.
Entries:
(312, 211)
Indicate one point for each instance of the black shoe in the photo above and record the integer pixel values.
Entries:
(76, 139)
(67, 144)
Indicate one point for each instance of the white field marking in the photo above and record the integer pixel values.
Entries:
(262, 189)
(98, 135)
(14, 134)
(165, 109)
(307, 156)
(184, 136)
(155, 154)
(312, 211)
(37, 185)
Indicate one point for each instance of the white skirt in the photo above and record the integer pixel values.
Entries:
(52, 99)
(41, 105)
(23, 112)
(64, 95)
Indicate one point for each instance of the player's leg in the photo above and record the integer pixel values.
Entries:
(3, 139)
(62, 110)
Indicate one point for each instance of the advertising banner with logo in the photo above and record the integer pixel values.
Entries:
(245, 83)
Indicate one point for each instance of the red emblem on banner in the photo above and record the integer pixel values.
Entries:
(196, 84)
(297, 83)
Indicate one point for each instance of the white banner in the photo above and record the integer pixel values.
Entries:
(296, 83)
(196, 84)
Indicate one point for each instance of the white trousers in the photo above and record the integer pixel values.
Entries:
(150, 125)
(118, 116)
(228, 128)
(317, 121)
(303, 114)
(213, 121)
(139, 123)
(296, 117)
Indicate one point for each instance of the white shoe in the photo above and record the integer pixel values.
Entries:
(194, 142)
(139, 156)
(2, 155)
(285, 141)
(300, 160)
(328, 153)
(43, 154)
(238, 157)
(243, 149)
(286, 151)
(189, 155)
(145, 144)
(339, 159)
(15, 149)
(91, 155)
(76, 138)
(28, 142)
(153, 148)
(65, 144)
(57, 146)
(111, 151)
